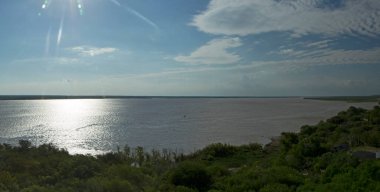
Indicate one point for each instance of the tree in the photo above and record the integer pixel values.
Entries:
(191, 175)
(24, 144)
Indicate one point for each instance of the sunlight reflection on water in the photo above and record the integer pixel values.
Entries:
(97, 126)
(73, 122)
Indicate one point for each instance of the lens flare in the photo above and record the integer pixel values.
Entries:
(46, 5)
(79, 5)
(59, 36)
(47, 42)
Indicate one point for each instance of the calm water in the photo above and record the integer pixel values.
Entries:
(97, 126)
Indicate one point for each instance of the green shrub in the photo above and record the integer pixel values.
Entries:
(25, 144)
(275, 187)
(184, 189)
(219, 150)
(191, 175)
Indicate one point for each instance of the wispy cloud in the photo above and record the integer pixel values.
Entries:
(116, 2)
(245, 17)
(320, 44)
(47, 61)
(92, 51)
(136, 13)
(214, 52)
(320, 57)
(327, 56)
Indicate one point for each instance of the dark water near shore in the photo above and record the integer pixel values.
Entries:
(99, 125)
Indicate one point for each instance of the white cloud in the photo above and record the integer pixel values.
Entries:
(286, 52)
(245, 17)
(371, 56)
(319, 44)
(92, 51)
(48, 61)
(321, 51)
(328, 57)
(300, 60)
(214, 52)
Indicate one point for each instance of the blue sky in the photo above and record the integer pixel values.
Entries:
(197, 47)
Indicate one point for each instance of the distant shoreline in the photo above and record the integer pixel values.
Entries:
(53, 97)
(350, 99)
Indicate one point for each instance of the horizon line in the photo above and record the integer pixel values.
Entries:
(54, 96)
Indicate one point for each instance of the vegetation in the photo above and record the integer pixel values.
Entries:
(350, 99)
(306, 161)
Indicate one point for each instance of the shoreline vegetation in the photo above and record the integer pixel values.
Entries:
(319, 157)
(349, 99)
(53, 97)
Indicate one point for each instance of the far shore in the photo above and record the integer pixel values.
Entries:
(350, 99)
(52, 97)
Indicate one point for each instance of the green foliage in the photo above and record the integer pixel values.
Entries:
(289, 139)
(25, 144)
(255, 178)
(7, 182)
(275, 187)
(36, 188)
(184, 189)
(217, 150)
(191, 175)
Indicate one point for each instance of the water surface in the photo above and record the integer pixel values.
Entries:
(99, 125)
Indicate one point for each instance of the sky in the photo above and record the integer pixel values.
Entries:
(190, 47)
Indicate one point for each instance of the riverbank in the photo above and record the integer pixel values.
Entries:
(311, 160)
(350, 99)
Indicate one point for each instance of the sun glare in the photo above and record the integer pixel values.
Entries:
(71, 107)
(72, 120)
(69, 112)
(78, 3)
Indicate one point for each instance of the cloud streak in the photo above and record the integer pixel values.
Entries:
(300, 17)
(92, 51)
(214, 52)
(136, 13)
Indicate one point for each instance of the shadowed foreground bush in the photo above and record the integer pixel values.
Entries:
(191, 175)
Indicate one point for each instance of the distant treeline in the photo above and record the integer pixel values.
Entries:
(318, 158)
(373, 98)
(47, 97)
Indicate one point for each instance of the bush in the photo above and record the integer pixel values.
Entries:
(275, 187)
(191, 175)
(184, 189)
(36, 188)
(25, 144)
(219, 150)
(7, 182)
(288, 140)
